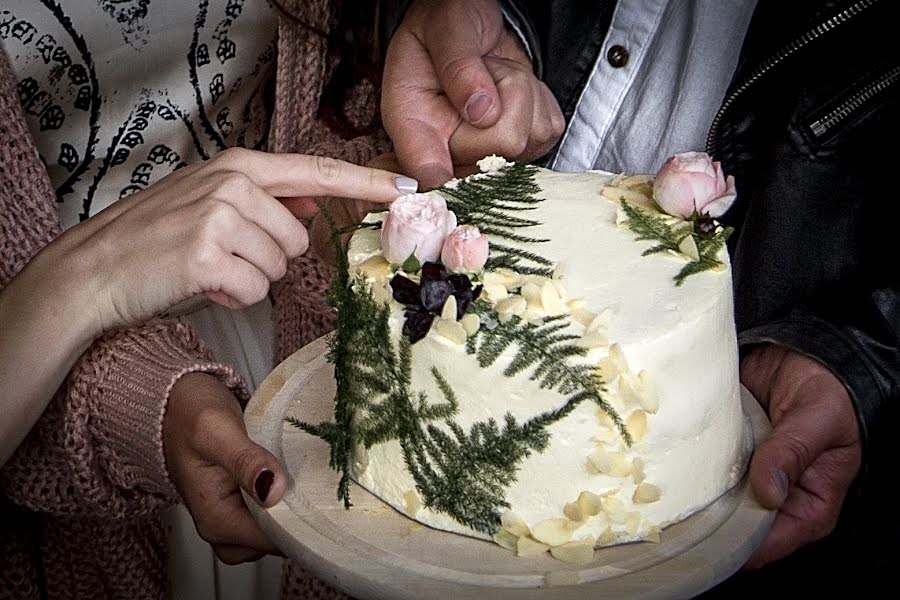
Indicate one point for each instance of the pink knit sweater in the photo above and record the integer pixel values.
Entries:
(81, 497)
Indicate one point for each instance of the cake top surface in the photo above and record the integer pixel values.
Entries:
(579, 222)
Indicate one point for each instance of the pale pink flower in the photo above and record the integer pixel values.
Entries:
(416, 224)
(465, 250)
(692, 181)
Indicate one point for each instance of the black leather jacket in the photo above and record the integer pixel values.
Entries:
(809, 129)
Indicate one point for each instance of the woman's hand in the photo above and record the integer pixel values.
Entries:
(210, 459)
(215, 228)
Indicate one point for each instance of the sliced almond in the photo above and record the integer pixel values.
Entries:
(579, 552)
(550, 300)
(514, 523)
(493, 279)
(510, 278)
(511, 305)
(649, 395)
(645, 493)
(606, 421)
(374, 268)
(448, 312)
(495, 293)
(636, 424)
(629, 388)
(471, 323)
(633, 181)
(582, 316)
(614, 464)
(652, 534)
(553, 532)
(595, 339)
(614, 509)
(590, 503)
(451, 330)
(618, 364)
(562, 291)
(637, 470)
(573, 511)
(617, 194)
(528, 547)
(506, 538)
(688, 247)
(531, 293)
(607, 537)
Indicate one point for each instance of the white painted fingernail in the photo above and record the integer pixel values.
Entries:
(406, 185)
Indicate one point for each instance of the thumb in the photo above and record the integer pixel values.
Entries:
(457, 39)
(256, 470)
(794, 443)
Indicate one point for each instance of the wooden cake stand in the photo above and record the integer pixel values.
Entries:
(373, 552)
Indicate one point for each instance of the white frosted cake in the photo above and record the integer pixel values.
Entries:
(577, 390)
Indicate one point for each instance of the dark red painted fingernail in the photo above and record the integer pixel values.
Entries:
(263, 484)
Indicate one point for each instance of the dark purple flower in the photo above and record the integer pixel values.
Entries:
(425, 300)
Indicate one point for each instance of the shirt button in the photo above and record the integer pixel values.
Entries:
(617, 56)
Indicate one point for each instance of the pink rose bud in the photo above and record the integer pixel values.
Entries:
(465, 250)
(416, 224)
(692, 181)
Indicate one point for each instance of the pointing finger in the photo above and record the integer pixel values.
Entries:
(291, 175)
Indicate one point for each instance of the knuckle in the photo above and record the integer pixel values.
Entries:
(457, 72)
(232, 156)
(206, 257)
(512, 143)
(327, 168)
(244, 462)
(233, 184)
(797, 449)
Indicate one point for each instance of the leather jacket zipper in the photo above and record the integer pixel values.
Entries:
(783, 53)
(834, 117)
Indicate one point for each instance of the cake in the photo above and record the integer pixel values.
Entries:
(546, 360)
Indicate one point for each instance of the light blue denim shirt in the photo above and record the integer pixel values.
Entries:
(681, 57)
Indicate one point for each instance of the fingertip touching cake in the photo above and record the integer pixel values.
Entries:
(547, 360)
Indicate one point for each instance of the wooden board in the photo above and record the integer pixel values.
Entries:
(373, 552)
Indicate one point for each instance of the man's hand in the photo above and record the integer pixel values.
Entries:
(458, 86)
(805, 466)
(210, 459)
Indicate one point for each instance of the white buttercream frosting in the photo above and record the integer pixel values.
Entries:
(668, 353)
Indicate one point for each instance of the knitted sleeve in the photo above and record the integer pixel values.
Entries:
(98, 447)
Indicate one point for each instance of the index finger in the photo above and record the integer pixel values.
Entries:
(291, 175)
